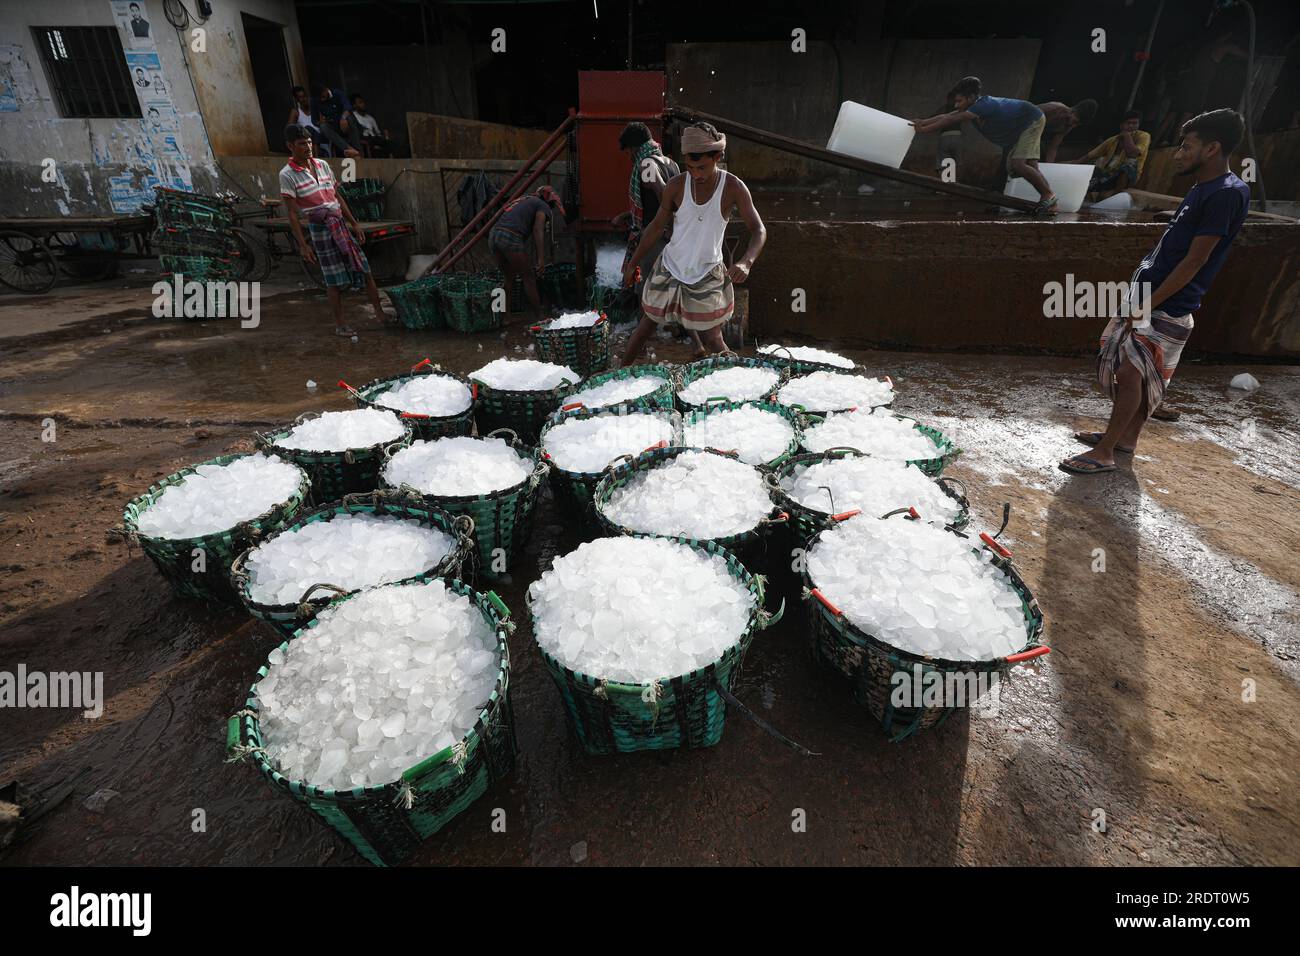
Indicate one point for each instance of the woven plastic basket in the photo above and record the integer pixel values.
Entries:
(335, 474)
(574, 490)
(621, 305)
(831, 411)
(948, 450)
(287, 618)
(388, 823)
(795, 419)
(807, 522)
(503, 520)
(750, 545)
(585, 350)
(685, 711)
(662, 397)
(558, 284)
(522, 412)
(871, 664)
(419, 304)
(699, 369)
(467, 302)
(427, 427)
(178, 558)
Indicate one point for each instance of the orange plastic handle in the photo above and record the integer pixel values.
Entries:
(600, 320)
(845, 515)
(1026, 655)
(420, 364)
(534, 328)
(413, 415)
(913, 513)
(343, 384)
(473, 391)
(658, 444)
(571, 406)
(816, 592)
(997, 548)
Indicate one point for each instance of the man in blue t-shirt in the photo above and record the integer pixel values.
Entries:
(1015, 125)
(1140, 351)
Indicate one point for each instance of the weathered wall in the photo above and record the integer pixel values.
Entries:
(1278, 159)
(89, 153)
(449, 137)
(979, 285)
(798, 94)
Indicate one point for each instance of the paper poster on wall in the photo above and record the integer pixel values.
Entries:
(15, 79)
(146, 75)
(126, 195)
(134, 24)
(160, 117)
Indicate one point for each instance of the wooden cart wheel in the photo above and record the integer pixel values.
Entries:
(25, 264)
(254, 256)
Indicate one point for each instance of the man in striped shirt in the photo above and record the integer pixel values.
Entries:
(333, 237)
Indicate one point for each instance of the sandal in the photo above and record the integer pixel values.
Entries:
(1046, 207)
(1082, 465)
(1093, 438)
(1163, 414)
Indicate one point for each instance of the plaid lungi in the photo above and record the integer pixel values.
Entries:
(699, 306)
(1154, 352)
(334, 262)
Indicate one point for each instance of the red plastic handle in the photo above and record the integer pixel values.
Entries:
(816, 592)
(1026, 655)
(913, 513)
(571, 406)
(658, 444)
(889, 381)
(846, 515)
(343, 384)
(534, 328)
(780, 516)
(420, 364)
(997, 548)
(852, 408)
(413, 415)
(600, 320)
(473, 391)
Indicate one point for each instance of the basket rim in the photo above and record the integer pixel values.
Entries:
(444, 521)
(545, 394)
(809, 364)
(267, 441)
(147, 498)
(501, 625)
(693, 371)
(651, 458)
(664, 370)
(948, 449)
(782, 469)
(363, 394)
(754, 583)
(1034, 631)
(791, 415)
(618, 410)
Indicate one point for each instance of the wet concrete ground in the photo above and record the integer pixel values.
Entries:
(1170, 701)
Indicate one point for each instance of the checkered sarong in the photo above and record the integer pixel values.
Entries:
(1154, 352)
(699, 306)
(335, 263)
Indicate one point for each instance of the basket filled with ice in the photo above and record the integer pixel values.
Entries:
(817, 488)
(193, 524)
(728, 378)
(881, 434)
(820, 393)
(921, 619)
(644, 638)
(519, 394)
(388, 715)
(340, 451)
(435, 401)
(581, 443)
(577, 340)
(345, 546)
(492, 480)
(636, 386)
(697, 494)
(760, 433)
(802, 359)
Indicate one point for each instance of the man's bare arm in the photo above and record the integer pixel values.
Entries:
(744, 202)
(1185, 271)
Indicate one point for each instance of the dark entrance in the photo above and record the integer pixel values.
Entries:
(271, 77)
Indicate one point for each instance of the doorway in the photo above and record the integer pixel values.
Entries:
(271, 77)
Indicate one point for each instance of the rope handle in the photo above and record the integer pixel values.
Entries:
(614, 462)
(1038, 651)
(304, 602)
(514, 436)
(944, 481)
(758, 721)
(781, 517)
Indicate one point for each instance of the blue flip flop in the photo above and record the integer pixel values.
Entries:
(1096, 469)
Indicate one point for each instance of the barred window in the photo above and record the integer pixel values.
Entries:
(87, 71)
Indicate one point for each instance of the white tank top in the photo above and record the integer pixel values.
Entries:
(696, 245)
(304, 119)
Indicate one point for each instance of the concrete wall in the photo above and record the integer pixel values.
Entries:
(1278, 161)
(979, 285)
(798, 94)
(449, 137)
(89, 153)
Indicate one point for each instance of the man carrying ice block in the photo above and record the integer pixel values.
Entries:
(1139, 351)
(1015, 125)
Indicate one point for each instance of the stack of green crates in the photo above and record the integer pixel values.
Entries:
(195, 237)
(365, 198)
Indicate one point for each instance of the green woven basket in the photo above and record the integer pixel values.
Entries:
(699, 369)
(871, 663)
(427, 427)
(750, 546)
(621, 305)
(467, 302)
(181, 242)
(661, 397)
(524, 413)
(585, 350)
(334, 474)
(832, 411)
(806, 523)
(686, 711)
(419, 304)
(503, 520)
(176, 558)
(558, 284)
(799, 367)
(574, 490)
(795, 419)
(287, 618)
(202, 267)
(388, 823)
(948, 450)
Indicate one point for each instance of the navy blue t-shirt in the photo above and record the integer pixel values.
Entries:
(1002, 120)
(1216, 207)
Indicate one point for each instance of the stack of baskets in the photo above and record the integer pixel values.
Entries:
(365, 198)
(419, 304)
(195, 238)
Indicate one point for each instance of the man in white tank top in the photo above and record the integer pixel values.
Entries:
(690, 284)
